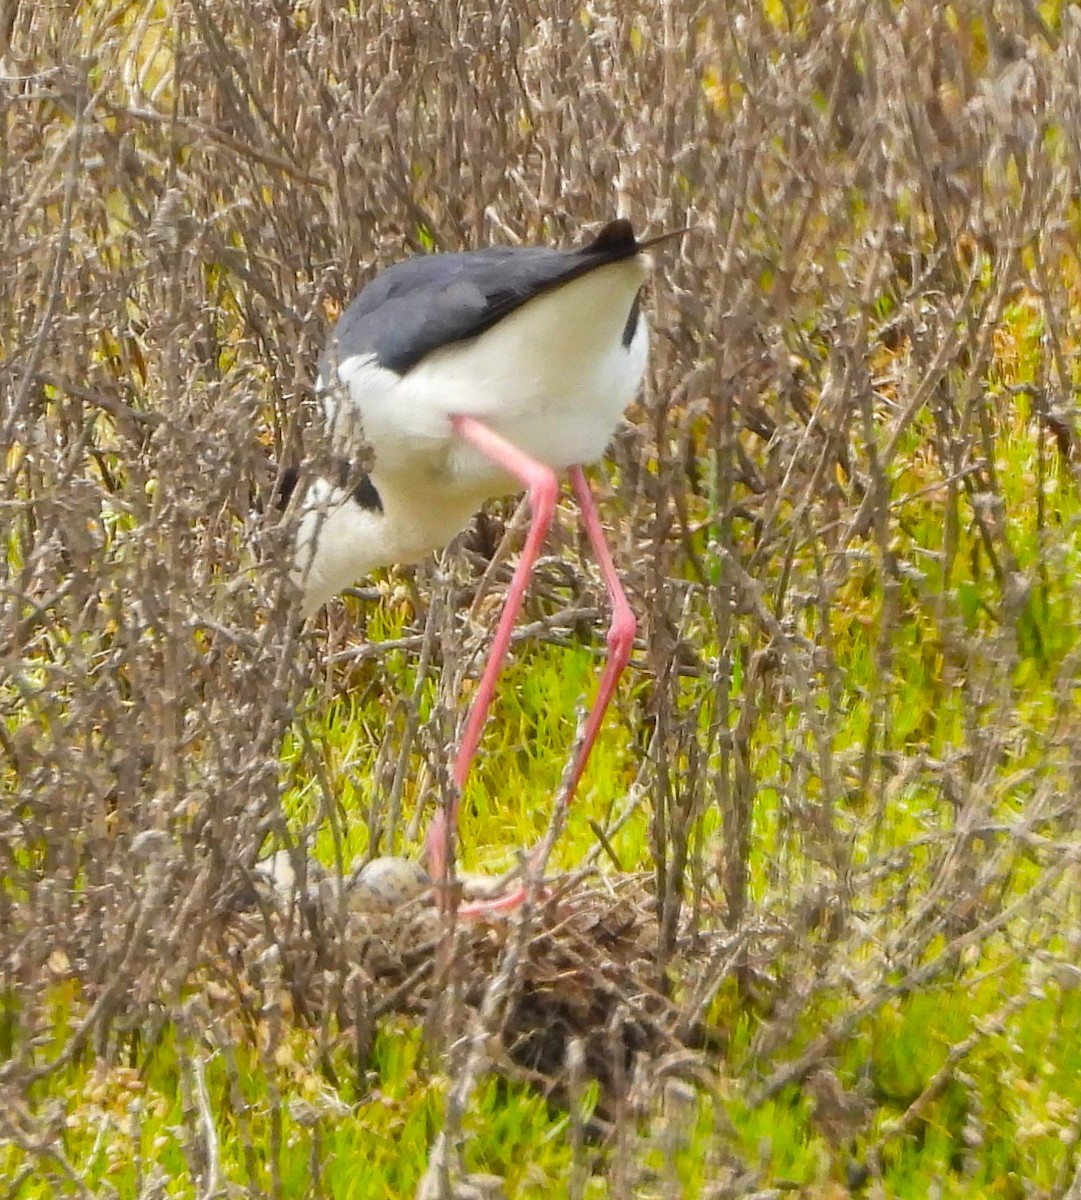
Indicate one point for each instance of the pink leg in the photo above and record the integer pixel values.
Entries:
(620, 643)
(543, 489)
(620, 632)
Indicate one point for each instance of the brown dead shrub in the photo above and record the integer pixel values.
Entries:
(188, 199)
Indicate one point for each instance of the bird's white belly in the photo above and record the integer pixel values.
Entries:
(553, 378)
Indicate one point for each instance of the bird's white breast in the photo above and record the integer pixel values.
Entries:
(553, 378)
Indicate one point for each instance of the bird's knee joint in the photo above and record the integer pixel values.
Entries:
(544, 490)
(621, 633)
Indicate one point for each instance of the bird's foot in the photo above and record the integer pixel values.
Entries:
(488, 895)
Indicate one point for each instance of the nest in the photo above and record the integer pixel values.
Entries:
(569, 993)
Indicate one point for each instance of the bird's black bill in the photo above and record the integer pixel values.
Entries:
(664, 237)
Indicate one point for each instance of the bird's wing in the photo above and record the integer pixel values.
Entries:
(418, 305)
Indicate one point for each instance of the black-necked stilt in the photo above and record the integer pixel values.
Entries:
(455, 378)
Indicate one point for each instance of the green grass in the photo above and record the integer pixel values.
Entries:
(509, 799)
(999, 1119)
(997, 1123)
(1004, 1125)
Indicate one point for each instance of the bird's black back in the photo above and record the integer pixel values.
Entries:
(433, 300)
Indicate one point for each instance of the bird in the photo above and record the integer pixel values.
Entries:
(456, 378)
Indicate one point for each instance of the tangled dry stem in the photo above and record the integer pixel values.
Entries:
(188, 195)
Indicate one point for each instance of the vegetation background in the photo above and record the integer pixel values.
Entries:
(840, 784)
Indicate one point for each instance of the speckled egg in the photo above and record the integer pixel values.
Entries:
(387, 883)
